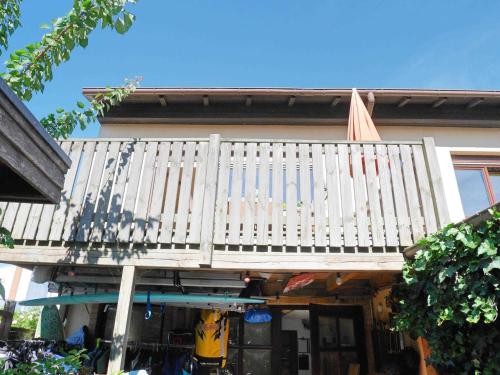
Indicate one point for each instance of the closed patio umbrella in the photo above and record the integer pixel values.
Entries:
(360, 126)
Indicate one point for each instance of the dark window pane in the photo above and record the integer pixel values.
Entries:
(472, 190)
(234, 328)
(256, 362)
(495, 182)
(327, 332)
(347, 337)
(257, 334)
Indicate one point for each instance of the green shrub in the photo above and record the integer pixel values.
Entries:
(449, 294)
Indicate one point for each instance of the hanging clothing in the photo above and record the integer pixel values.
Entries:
(211, 337)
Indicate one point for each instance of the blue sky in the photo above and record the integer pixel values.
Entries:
(232, 43)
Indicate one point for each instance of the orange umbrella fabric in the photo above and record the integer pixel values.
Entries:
(360, 126)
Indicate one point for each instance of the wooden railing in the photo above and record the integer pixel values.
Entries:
(242, 195)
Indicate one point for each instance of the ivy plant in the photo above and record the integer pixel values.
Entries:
(449, 294)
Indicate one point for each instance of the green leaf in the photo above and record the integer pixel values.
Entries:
(487, 247)
(44, 26)
(80, 105)
(2, 291)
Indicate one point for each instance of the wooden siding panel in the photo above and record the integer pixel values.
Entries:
(333, 197)
(319, 196)
(291, 195)
(236, 182)
(346, 196)
(198, 194)
(144, 194)
(222, 194)
(305, 196)
(263, 196)
(372, 185)
(250, 190)
(118, 194)
(277, 196)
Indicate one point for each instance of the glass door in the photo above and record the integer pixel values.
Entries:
(337, 339)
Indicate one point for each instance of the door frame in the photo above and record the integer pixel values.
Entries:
(353, 312)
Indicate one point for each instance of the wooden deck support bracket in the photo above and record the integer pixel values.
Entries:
(371, 103)
(122, 321)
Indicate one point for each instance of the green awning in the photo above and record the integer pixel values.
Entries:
(186, 300)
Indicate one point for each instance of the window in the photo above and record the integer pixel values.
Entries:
(249, 347)
(478, 181)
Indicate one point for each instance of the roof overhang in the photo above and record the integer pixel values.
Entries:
(32, 164)
(466, 108)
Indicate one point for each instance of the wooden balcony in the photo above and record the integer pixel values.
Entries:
(234, 203)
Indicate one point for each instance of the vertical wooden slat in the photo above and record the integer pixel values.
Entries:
(45, 210)
(198, 193)
(222, 194)
(144, 193)
(90, 201)
(391, 232)
(425, 190)
(167, 218)
(333, 197)
(212, 176)
(305, 196)
(233, 237)
(360, 197)
(403, 219)
(263, 197)
(346, 196)
(75, 202)
(105, 192)
(250, 184)
(417, 226)
(291, 195)
(21, 219)
(3, 206)
(33, 221)
(53, 216)
(130, 198)
(117, 198)
(158, 192)
(9, 216)
(437, 187)
(277, 195)
(185, 193)
(376, 218)
(319, 196)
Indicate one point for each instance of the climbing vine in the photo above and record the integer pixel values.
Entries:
(449, 294)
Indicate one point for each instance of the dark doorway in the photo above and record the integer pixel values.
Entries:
(337, 339)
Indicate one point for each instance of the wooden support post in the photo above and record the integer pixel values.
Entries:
(7, 314)
(122, 321)
(437, 186)
(208, 213)
(371, 103)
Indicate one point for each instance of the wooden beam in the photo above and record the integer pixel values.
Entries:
(163, 100)
(331, 282)
(371, 102)
(438, 103)
(291, 101)
(336, 100)
(122, 321)
(404, 101)
(474, 103)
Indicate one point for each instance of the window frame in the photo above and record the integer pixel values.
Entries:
(479, 163)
